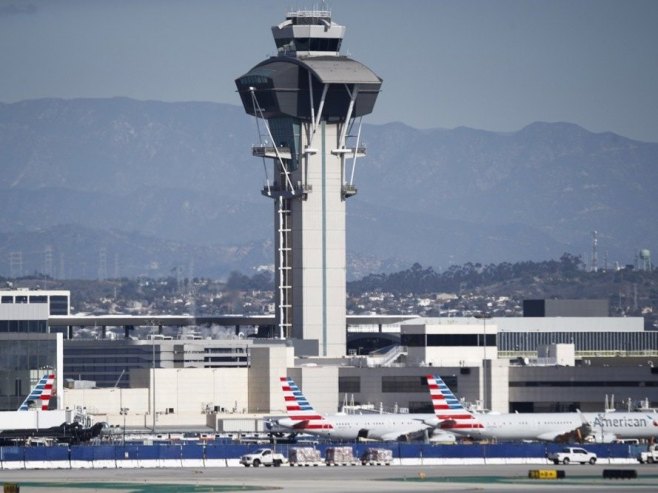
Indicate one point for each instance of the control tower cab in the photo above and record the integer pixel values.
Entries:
(308, 101)
(307, 33)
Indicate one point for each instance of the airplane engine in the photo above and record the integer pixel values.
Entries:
(363, 434)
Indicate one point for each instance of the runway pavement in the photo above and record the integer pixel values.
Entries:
(348, 479)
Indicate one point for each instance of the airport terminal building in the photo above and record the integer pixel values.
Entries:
(525, 364)
(29, 346)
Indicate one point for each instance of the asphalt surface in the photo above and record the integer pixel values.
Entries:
(346, 479)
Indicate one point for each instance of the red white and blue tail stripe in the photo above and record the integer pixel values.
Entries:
(451, 413)
(41, 391)
(300, 412)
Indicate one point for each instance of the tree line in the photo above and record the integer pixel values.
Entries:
(418, 280)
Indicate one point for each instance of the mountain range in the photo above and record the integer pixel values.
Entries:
(120, 187)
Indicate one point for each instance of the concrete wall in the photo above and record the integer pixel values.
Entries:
(194, 390)
(24, 311)
(586, 387)
(318, 231)
(31, 419)
(319, 385)
(181, 396)
(496, 397)
(450, 355)
(565, 308)
(568, 324)
(105, 404)
(268, 365)
(371, 385)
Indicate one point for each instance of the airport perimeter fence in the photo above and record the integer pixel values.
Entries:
(226, 455)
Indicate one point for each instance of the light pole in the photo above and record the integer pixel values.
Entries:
(153, 323)
(484, 316)
(153, 383)
(124, 412)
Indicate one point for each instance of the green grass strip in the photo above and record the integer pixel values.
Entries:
(149, 488)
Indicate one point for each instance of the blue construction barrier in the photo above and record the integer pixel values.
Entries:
(12, 454)
(193, 451)
(44, 454)
(225, 451)
(169, 452)
(132, 452)
(88, 454)
(228, 451)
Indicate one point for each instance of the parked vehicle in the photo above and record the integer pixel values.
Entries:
(650, 456)
(263, 456)
(573, 454)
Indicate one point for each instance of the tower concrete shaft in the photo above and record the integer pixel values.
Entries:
(309, 96)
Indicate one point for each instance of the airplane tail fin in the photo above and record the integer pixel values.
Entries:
(42, 391)
(299, 410)
(451, 413)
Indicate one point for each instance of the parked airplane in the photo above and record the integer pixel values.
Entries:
(598, 427)
(302, 418)
(43, 390)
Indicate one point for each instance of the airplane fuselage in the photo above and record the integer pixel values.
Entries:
(370, 426)
(552, 426)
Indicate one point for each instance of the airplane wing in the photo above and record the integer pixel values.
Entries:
(277, 425)
(577, 434)
(403, 434)
(386, 437)
(430, 423)
(389, 436)
(300, 425)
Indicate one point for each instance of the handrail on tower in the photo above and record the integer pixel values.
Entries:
(279, 158)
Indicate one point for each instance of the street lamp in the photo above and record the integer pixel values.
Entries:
(124, 412)
(484, 316)
(153, 383)
(152, 323)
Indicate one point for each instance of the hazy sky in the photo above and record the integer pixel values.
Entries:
(488, 64)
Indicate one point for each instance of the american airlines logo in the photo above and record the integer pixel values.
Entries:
(299, 409)
(624, 422)
(447, 407)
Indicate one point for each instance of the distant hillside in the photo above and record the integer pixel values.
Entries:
(629, 291)
(78, 177)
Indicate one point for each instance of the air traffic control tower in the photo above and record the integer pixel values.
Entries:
(308, 101)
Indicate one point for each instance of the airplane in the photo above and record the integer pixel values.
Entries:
(302, 418)
(42, 390)
(604, 427)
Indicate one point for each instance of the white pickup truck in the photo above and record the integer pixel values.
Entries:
(263, 456)
(573, 454)
(650, 456)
